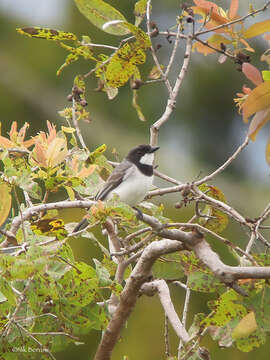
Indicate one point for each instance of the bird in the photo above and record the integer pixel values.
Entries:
(130, 180)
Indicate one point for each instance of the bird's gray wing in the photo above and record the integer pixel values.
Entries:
(114, 179)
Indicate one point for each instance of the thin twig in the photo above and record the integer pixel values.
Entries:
(252, 13)
(76, 125)
(184, 318)
(172, 98)
(176, 43)
(163, 76)
(225, 165)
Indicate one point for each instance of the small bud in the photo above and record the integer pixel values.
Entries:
(83, 102)
(79, 91)
(153, 25)
(154, 33)
(136, 84)
(223, 46)
(159, 46)
(69, 97)
(178, 205)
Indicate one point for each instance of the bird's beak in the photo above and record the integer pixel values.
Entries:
(154, 148)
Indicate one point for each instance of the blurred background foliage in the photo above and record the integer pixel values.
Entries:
(203, 131)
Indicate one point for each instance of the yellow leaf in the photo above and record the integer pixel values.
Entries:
(257, 100)
(258, 121)
(137, 106)
(5, 203)
(257, 29)
(68, 130)
(267, 152)
(45, 33)
(246, 326)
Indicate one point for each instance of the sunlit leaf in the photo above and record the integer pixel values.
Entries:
(101, 14)
(257, 100)
(252, 73)
(245, 327)
(155, 73)
(46, 33)
(5, 203)
(266, 75)
(215, 19)
(225, 308)
(257, 122)
(68, 130)
(267, 152)
(257, 29)
(139, 11)
(209, 5)
(123, 64)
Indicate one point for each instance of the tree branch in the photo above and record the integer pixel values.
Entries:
(163, 291)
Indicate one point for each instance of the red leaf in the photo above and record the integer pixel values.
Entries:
(252, 73)
(233, 9)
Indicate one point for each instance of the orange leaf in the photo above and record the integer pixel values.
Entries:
(247, 46)
(258, 121)
(257, 100)
(215, 20)
(267, 152)
(257, 29)
(252, 73)
(203, 49)
(210, 6)
(233, 9)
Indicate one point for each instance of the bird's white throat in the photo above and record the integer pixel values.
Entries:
(147, 159)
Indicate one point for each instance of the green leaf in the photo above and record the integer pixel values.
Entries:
(140, 11)
(100, 14)
(256, 339)
(7, 292)
(224, 309)
(203, 282)
(168, 267)
(75, 53)
(266, 75)
(46, 33)
(123, 64)
(102, 274)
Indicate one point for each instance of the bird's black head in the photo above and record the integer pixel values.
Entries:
(143, 154)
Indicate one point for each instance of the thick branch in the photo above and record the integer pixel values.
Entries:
(128, 298)
(27, 214)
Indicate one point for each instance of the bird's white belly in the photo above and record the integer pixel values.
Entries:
(134, 187)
